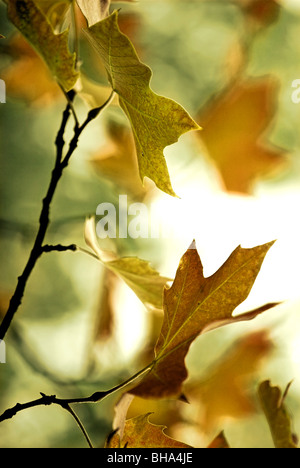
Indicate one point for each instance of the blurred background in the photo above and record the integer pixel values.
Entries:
(231, 64)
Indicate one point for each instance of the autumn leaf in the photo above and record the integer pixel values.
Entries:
(94, 10)
(54, 10)
(146, 282)
(53, 48)
(117, 160)
(225, 390)
(272, 402)
(193, 305)
(139, 432)
(265, 12)
(233, 127)
(220, 442)
(156, 121)
(2, 37)
(22, 72)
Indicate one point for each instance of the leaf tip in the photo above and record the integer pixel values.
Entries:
(193, 245)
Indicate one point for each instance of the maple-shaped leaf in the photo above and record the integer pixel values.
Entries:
(193, 305)
(138, 274)
(139, 432)
(225, 390)
(234, 125)
(155, 120)
(279, 420)
(220, 442)
(53, 48)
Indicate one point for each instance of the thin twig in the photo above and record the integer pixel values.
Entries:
(47, 400)
(59, 248)
(60, 164)
(80, 425)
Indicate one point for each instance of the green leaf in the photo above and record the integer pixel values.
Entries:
(53, 48)
(138, 274)
(156, 121)
(193, 305)
(277, 415)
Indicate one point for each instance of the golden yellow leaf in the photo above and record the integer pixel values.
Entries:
(53, 48)
(139, 432)
(226, 391)
(156, 121)
(138, 274)
(193, 305)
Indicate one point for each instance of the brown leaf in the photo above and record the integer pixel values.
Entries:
(225, 391)
(234, 125)
(219, 442)
(264, 12)
(192, 305)
(140, 433)
(117, 161)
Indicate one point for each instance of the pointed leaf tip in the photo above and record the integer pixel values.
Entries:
(193, 305)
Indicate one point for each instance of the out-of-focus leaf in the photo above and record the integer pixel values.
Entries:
(191, 306)
(94, 10)
(156, 121)
(140, 433)
(272, 402)
(233, 127)
(226, 390)
(2, 37)
(220, 442)
(117, 161)
(53, 48)
(23, 71)
(265, 12)
(105, 311)
(121, 410)
(146, 282)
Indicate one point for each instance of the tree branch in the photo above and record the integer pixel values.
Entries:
(47, 400)
(60, 164)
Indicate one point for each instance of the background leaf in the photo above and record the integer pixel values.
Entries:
(234, 124)
(277, 415)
